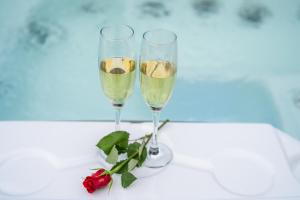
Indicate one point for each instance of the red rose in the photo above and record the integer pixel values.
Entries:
(96, 181)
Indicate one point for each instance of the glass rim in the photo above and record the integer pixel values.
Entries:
(160, 43)
(117, 39)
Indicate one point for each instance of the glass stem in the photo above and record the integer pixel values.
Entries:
(154, 150)
(118, 118)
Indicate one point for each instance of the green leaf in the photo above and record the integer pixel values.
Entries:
(140, 150)
(117, 138)
(142, 157)
(132, 163)
(127, 179)
(133, 148)
(110, 184)
(122, 170)
(142, 153)
(112, 157)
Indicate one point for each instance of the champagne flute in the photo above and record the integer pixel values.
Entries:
(117, 65)
(158, 67)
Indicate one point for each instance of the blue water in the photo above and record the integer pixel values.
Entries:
(238, 60)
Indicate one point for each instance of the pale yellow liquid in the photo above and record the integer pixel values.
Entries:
(117, 76)
(157, 81)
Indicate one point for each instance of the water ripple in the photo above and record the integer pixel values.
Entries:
(5, 89)
(205, 7)
(154, 9)
(42, 33)
(296, 99)
(92, 7)
(254, 14)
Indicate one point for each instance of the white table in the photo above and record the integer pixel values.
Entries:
(49, 160)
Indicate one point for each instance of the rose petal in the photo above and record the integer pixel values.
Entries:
(90, 190)
(90, 183)
(98, 173)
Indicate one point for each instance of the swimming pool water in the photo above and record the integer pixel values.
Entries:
(238, 60)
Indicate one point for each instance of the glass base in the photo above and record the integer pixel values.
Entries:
(160, 159)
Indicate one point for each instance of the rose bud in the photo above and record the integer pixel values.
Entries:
(96, 181)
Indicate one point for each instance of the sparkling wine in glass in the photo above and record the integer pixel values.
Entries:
(117, 65)
(158, 67)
